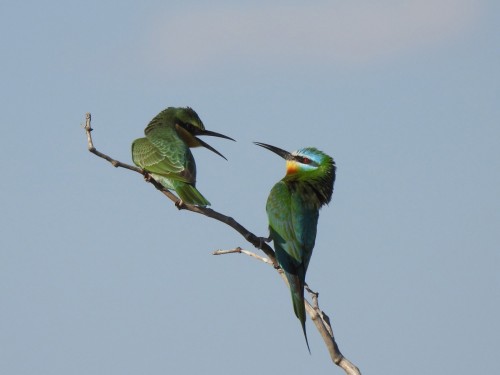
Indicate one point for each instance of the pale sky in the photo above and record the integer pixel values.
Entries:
(100, 274)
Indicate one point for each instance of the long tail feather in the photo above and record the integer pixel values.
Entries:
(189, 194)
(297, 292)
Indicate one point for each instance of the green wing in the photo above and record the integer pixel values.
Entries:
(168, 159)
(293, 219)
(292, 225)
(171, 163)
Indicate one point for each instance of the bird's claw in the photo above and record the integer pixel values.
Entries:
(179, 204)
(263, 240)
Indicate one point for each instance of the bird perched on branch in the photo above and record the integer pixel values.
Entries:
(165, 151)
(293, 209)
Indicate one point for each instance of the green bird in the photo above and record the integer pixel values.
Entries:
(165, 151)
(293, 209)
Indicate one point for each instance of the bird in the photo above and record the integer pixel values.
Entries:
(293, 209)
(165, 151)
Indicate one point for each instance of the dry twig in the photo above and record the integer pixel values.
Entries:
(319, 318)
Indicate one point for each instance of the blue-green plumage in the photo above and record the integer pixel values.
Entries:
(293, 210)
(165, 151)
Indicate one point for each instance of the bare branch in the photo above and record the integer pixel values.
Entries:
(92, 149)
(239, 250)
(258, 242)
(322, 323)
(320, 319)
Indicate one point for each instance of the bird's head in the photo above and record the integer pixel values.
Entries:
(189, 125)
(308, 165)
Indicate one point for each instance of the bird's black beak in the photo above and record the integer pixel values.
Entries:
(284, 154)
(206, 145)
(213, 134)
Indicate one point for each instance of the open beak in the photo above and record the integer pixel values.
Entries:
(213, 134)
(284, 154)
(206, 145)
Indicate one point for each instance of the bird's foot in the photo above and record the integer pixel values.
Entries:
(263, 240)
(147, 177)
(179, 204)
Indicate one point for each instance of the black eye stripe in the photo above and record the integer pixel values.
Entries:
(189, 127)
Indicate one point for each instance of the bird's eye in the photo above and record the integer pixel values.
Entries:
(186, 125)
(306, 161)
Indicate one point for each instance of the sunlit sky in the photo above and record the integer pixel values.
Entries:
(100, 274)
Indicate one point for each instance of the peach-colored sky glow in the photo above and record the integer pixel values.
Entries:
(339, 33)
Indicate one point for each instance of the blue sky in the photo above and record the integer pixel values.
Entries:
(99, 274)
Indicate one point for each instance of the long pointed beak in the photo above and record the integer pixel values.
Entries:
(284, 154)
(206, 145)
(213, 134)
